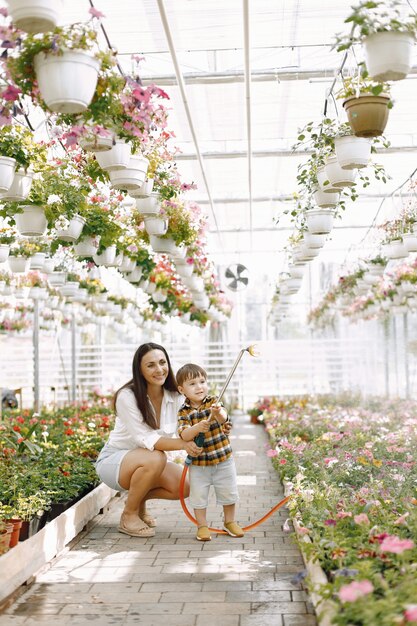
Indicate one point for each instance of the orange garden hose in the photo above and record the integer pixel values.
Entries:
(219, 530)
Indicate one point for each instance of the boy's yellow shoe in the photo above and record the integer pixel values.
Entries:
(233, 529)
(203, 534)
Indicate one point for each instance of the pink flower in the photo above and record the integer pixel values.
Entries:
(11, 93)
(362, 518)
(410, 613)
(401, 520)
(272, 453)
(394, 544)
(96, 13)
(343, 514)
(329, 461)
(355, 590)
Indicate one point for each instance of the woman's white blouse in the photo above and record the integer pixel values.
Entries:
(130, 430)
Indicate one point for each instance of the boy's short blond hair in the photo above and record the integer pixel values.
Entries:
(188, 372)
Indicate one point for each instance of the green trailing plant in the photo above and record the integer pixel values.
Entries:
(362, 85)
(17, 142)
(375, 16)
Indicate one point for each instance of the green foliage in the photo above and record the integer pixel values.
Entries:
(17, 143)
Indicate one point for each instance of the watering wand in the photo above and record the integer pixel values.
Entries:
(199, 440)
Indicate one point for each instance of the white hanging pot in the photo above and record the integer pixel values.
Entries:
(38, 293)
(352, 152)
(320, 221)
(338, 177)
(93, 142)
(87, 247)
(35, 16)
(194, 283)
(308, 252)
(37, 261)
(20, 187)
(133, 176)
(7, 170)
(106, 257)
(69, 289)
(151, 288)
(117, 158)
(73, 230)
(293, 284)
(201, 301)
(144, 284)
(397, 249)
(296, 271)
(4, 252)
(159, 296)
(32, 222)
(376, 269)
(410, 242)
(135, 275)
(314, 241)
(56, 279)
(118, 260)
(388, 55)
(18, 264)
(67, 81)
(144, 190)
(128, 265)
(156, 225)
(22, 293)
(326, 200)
(148, 205)
(185, 270)
(165, 246)
(322, 179)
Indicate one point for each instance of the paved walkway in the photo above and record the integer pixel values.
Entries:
(109, 578)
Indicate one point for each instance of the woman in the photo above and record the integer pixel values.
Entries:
(134, 459)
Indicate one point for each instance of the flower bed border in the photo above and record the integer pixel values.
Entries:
(23, 561)
(317, 577)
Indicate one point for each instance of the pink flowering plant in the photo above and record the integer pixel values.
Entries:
(352, 474)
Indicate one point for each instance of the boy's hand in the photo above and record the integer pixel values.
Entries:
(218, 413)
(203, 426)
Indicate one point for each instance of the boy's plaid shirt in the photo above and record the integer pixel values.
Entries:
(217, 446)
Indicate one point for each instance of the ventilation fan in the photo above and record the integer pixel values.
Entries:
(237, 277)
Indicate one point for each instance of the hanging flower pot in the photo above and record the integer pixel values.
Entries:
(165, 245)
(297, 271)
(194, 283)
(337, 176)
(38, 293)
(326, 200)
(314, 241)
(322, 179)
(37, 261)
(292, 284)
(128, 265)
(156, 225)
(69, 289)
(185, 270)
(397, 250)
(144, 190)
(35, 16)
(320, 221)
(388, 54)
(18, 264)
(106, 257)
(4, 252)
(97, 142)
(20, 187)
(67, 81)
(22, 293)
(367, 114)
(135, 275)
(352, 152)
(73, 230)
(7, 170)
(32, 222)
(118, 260)
(159, 296)
(87, 247)
(410, 242)
(56, 279)
(117, 158)
(201, 301)
(148, 205)
(133, 176)
(151, 288)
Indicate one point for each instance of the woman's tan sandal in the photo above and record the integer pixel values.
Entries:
(203, 534)
(135, 530)
(148, 519)
(233, 529)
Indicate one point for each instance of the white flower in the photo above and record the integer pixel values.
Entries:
(53, 198)
(62, 223)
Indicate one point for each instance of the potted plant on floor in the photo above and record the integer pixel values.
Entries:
(387, 31)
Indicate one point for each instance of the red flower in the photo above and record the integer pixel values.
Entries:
(69, 431)
(16, 429)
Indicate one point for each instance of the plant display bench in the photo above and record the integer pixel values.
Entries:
(23, 561)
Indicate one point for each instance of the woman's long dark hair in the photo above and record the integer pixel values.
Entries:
(138, 383)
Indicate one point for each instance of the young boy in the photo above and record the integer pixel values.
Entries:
(215, 465)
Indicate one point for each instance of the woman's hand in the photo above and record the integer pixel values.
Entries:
(227, 427)
(192, 449)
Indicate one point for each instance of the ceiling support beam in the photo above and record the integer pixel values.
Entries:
(246, 38)
(290, 198)
(181, 85)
